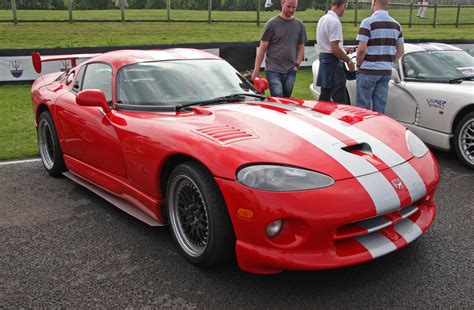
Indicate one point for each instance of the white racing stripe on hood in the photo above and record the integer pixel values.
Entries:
(406, 173)
(377, 186)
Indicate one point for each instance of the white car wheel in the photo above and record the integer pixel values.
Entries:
(464, 139)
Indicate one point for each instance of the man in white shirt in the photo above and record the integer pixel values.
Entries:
(421, 13)
(332, 75)
(268, 5)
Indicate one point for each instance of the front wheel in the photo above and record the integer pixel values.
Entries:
(198, 216)
(48, 144)
(464, 139)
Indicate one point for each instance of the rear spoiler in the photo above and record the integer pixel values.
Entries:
(38, 60)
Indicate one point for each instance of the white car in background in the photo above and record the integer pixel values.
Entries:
(432, 94)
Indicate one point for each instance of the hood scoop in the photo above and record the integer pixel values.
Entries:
(365, 151)
(224, 134)
(360, 148)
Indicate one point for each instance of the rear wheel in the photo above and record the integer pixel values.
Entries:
(464, 139)
(198, 216)
(48, 144)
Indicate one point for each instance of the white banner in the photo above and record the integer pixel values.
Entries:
(20, 68)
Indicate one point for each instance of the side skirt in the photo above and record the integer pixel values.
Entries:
(116, 201)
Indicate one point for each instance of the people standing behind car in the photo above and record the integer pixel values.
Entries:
(268, 5)
(380, 45)
(329, 38)
(118, 3)
(282, 46)
(421, 13)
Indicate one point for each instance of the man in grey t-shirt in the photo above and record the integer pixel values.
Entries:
(282, 45)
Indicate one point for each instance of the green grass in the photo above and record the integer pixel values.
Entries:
(444, 15)
(17, 129)
(62, 34)
(17, 133)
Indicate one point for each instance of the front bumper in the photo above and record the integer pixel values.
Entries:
(325, 228)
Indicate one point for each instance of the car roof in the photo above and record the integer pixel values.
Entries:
(121, 58)
(430, 46)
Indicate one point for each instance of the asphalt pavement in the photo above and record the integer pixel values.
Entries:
(63, 246)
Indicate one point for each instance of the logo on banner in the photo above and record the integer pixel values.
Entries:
(64, 66)
(16, 68)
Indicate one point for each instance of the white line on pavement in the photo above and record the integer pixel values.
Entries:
(14, 162)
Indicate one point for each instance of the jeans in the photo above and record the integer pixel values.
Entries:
(372, 91)
(337, 93)
(281, 84)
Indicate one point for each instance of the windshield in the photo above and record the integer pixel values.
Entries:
(438, 65)
(171, 83)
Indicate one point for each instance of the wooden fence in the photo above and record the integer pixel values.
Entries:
(356, 5)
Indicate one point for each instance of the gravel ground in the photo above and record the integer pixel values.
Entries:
(63, 246)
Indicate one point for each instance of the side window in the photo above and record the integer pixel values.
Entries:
(98, 76)
(70, 77)
(78, 82)
(410, 67)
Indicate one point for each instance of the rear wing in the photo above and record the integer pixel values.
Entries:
(38, 60)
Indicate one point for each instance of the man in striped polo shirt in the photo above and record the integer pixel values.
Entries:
(380, 44)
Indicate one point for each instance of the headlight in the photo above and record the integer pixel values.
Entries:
(282, 178)
(416, 147)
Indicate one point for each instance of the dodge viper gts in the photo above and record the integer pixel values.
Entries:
(179, 137)
(432, 94)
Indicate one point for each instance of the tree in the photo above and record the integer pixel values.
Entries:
(94, 4)
(58, 4)
(32, 5)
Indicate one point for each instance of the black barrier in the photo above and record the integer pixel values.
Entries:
(240, 55)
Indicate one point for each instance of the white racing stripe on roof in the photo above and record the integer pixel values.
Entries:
(377, 186)
(377, 244)
(189, 54)
(408, 230)
(405, 172)
(433, 46)
(160, 55)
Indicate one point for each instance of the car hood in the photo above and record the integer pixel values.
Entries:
(339, 140)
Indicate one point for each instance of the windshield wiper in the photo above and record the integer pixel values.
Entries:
(223, 99)
(460, 79)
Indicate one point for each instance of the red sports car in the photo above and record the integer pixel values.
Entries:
(179, 136)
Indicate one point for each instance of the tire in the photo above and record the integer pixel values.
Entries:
(48, 144)
(464, 140)
(198, 216)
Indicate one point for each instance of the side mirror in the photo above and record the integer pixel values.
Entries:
(93, 98)
(260, 84)
(395, 76)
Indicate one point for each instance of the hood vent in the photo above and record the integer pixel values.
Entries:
(224, 134)
(363, 148)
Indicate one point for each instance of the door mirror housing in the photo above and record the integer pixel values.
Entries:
(395, 76)
(260, 84)
(93, 98)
